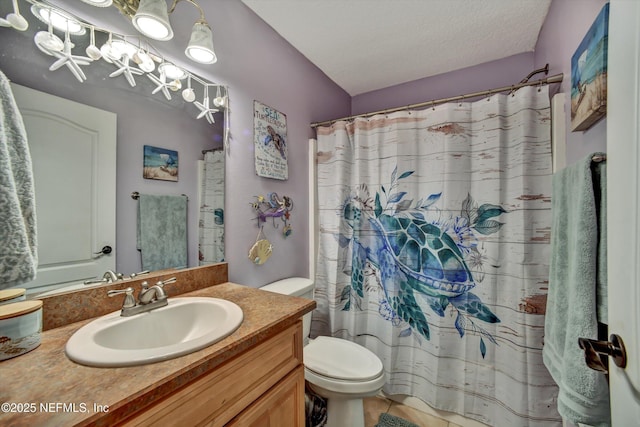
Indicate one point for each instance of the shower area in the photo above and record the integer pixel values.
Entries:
(432, 248)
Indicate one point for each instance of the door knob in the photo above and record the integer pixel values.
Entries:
(106, 250)
(613, 348)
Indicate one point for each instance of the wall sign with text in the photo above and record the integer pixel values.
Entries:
(270, 141)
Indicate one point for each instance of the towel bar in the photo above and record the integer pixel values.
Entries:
(135, 196)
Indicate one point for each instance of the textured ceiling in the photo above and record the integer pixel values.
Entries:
(364, 45)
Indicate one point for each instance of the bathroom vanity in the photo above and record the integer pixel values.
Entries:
(254, 376)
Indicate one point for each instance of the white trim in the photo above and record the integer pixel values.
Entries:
(623, 223)
(313, 217)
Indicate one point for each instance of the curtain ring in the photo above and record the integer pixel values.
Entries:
(540, 86)
(489, 96)
(433, 105)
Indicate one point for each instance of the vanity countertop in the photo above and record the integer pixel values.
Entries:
(44, 387)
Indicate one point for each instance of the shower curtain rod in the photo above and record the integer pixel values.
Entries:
(553, 79)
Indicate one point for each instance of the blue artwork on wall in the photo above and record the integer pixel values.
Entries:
(589, 75)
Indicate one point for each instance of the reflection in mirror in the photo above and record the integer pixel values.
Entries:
(144, 116)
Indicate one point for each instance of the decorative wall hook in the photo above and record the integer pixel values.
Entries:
(274, 207)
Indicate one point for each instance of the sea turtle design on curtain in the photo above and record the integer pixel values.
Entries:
(417, 254)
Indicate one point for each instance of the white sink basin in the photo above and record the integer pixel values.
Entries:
(182, 327)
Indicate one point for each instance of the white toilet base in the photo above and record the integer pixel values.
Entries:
(345, 409)
(345, 413)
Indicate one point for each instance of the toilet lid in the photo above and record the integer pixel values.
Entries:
(341, 359)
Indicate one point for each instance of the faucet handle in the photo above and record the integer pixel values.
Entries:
(161, 283)
(160, 294)
(129, 300)
(133, 275)
(94, 281)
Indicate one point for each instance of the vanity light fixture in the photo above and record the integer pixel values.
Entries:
(200, 47)
(151, 18)
(129, 59)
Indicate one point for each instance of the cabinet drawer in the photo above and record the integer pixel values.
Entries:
(281, 406)
(220, 395)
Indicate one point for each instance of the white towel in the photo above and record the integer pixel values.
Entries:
(572, 298)
(18, 251)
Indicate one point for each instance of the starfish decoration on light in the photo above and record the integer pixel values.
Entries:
(73, 62)
(162, 84)
(203, 106)
(126, 69)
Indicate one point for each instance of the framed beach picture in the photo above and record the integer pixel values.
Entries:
(270, 142)
(160, 163)
(589, 75)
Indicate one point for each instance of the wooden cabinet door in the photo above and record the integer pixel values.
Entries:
(224, 393)
(282, 406)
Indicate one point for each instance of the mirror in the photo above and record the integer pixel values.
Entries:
(143, 119)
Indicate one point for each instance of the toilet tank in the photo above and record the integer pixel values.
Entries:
(297, 287)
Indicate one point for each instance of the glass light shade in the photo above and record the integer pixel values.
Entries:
(200, 47)
(57, 18)
(152, 20)
(99, 3)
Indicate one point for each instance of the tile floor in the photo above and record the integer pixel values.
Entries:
(374, 406)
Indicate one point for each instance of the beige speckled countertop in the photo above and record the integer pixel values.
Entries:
(49, 389)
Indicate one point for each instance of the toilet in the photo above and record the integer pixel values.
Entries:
(340, 371)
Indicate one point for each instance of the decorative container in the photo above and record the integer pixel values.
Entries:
(9, 296)
(20, 328)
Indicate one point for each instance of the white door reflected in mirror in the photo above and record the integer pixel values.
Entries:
(70, 143)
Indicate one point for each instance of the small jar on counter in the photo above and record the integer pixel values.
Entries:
(20, 328)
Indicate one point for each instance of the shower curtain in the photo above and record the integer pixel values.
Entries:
(433, 252)
(211, 224)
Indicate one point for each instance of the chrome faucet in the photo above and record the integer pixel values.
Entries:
(111, 277)
(149, 298)
(108, 277)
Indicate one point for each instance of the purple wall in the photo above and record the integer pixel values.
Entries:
(494, 74)
(257, 64)
(142, 119)
(566, 24)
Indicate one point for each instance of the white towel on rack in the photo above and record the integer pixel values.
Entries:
(18, 251)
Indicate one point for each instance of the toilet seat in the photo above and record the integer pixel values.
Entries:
(341, 359)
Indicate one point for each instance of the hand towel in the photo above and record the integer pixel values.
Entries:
(18, 251)
(162, 231)
(571, 301)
